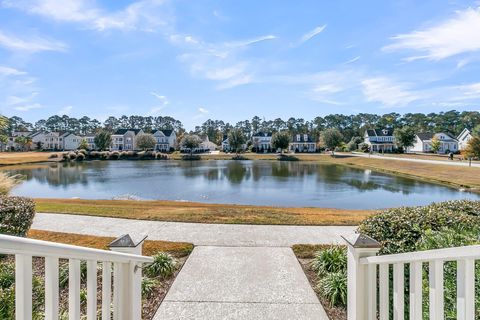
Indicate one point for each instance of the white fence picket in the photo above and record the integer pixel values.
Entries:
(436, 290)
(92, 290)
(74, 289)
(23, 287)
(51, 288)
(106, 290)
(384, 305)
(416, 290)
(466, 289)
(398, 291)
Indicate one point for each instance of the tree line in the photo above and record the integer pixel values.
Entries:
(452, 122)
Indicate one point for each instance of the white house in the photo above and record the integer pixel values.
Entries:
(125, 139)
(38, 139)
(166, 140)
(71, 141)
(380, 140)
(302, 143)
(463, 139)
(423, 142)
(262, 141)
(90, 138)
(53, 140)
(207, 145)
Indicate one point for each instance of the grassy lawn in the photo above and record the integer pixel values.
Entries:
(9, 158)
(150, 247)
(202, 212)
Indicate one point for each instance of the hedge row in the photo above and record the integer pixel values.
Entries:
(81, 155)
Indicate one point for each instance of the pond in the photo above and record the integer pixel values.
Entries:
(288, 184)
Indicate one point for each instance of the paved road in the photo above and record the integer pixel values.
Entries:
(444, 162)
(198, 234)
(234, 272)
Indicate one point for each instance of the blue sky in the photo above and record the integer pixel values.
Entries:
(231, 60)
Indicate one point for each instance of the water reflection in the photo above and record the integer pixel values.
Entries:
(243, 182)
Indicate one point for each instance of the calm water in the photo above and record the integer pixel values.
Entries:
(294, 184)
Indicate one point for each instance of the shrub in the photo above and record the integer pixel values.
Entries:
(72, 156)
(333, 259)
(83, 151)
(103, 155)
(63, 274)
(163, 266)
(115, 155)
(80, 157)
(148, 287)
(16, 215)
(53, 155)
(191, 157)
(94, 154)
(333, 287)
(398, 230)
(284, 157)
(7, 183)
(7, 275)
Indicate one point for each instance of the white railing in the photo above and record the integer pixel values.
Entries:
(363, 281)
(127, 274)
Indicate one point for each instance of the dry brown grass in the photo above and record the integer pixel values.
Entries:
(9, 158)
(202, 212)
(150, 247)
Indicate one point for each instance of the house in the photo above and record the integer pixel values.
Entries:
(226, 145)
(262, 141)
(38, 139)
(125, 139)
(302, 143)
(207, 145)
(463, 139)
(423, 142)
(53, 141)
(166, 140)
(12, 145)
(380, 140)
(90, 138)
(71, 141)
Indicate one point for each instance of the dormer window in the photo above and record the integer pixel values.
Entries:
(385, 132)
(305, 137)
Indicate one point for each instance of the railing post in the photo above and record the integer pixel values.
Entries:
(359, 246)
(129, 278)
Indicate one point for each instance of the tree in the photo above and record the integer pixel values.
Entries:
(354, 143)
(236, 139)
(473, 148)
(146, 141)
(280, 140)
(436, 145)
(24, 142)
(103, 140)
(332, 138)
(190, 142)
(404, 137)
(83, 145)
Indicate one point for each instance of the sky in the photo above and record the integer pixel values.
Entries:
(232, 60)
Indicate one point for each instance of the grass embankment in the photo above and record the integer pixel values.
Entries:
(9, 158)
(150, 247)
(202, 212)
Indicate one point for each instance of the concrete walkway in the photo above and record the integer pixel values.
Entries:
(234, 272)
(198, 234)
(444, 162)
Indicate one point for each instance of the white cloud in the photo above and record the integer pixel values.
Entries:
(7, 71)
(352, 60)
(34, 44)
(67, 110)
(387, 92)
(454, 36)
(140, 15)
(221, 62)
(202, 110)
(309, 35)
(28, 107)
(163, 99)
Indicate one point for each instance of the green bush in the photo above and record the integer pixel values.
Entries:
(148, 287)
(163, 266)
(333, 287)
(64, 271)
(398, 230)
(16, 215)
(333, 259)
(7, 275)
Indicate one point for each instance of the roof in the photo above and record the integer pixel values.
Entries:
(262, 134)
(425, 136)
(167, 133)
(302, 138)
(123, 131)
(380, 132)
